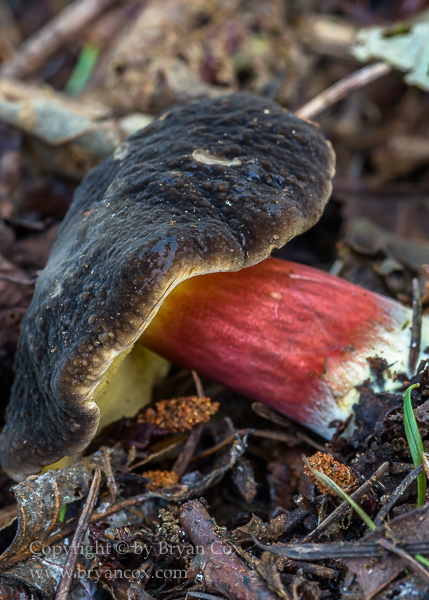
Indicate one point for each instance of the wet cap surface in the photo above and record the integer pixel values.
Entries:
(211, 186)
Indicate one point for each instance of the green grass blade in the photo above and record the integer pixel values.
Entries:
(422, 559)
(62, 513)
(327, 481)
(83, 69)
(414, 442)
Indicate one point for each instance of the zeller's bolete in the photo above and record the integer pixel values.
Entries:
(210, 187)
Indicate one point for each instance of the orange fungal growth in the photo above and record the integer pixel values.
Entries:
(160, 479)
(179, 414)
(339, 473)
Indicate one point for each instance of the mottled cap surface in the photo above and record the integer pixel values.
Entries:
(211, 186)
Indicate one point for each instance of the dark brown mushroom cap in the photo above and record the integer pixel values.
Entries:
(211, 186)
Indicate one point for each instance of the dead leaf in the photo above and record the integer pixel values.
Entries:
(272, 530)
(40, 499)
(16, 591)
(365, 236)
(375, 573)
(244, 479)
(78, 133)
(404, 46)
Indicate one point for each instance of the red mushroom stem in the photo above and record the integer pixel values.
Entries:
(285, 334)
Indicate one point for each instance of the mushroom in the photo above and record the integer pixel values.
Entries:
(289, 335)
(213, 186)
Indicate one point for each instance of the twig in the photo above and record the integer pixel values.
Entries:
(278, 436)
(9, 32)
(35, 51)
(397, 494)
(17, 280)
(412, 562)
(188, 450)
(306, 439)
(266, 412)
(198, 384)
(73, 555)
(220, 445)
(334, 487)
(342, 89)
(220, 570)
(416, 327)
(344, 506)
(271, 415)
(312, 569)
(111, 483)
(337, 550)
(158, 454)
(202, 595)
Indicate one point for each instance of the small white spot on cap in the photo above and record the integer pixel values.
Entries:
(121, 151)
(205, 157)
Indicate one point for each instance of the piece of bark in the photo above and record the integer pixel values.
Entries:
(217, 567)
(35, 51)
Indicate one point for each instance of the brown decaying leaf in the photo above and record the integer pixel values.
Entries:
(16, 591)
(375, 573)
(237, 581)
(40, 499)
(244, 479)
(272, 530)
(367, 237)
(69, 137)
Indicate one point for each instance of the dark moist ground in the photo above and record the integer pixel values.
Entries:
(373, 232)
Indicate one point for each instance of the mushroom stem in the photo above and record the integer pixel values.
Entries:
(285, 334)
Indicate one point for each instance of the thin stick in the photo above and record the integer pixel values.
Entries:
(188, 450)
(157, 454)
(17, 280)
(35, 51)
(73, 555)
(344, 506)
(342, 89)
(415, 566)
(198, 384)
(382, 514)
(111, 483)
(278, 436)
(336, 550)
(9, 32)
(416, 328)
(203, 595)
(219, 446)
(271, 415)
